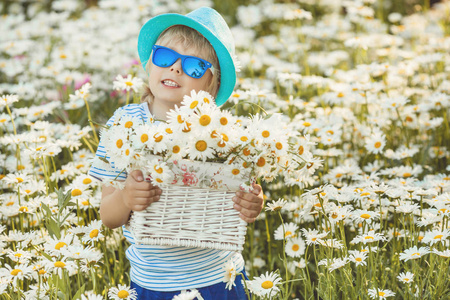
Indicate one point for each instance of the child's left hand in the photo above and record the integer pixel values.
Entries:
(249, 204)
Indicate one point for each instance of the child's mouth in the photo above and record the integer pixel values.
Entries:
(170, 83)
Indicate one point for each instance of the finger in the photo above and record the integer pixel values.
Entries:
(249, 213)
(140, 201)
(247, 197)
(147, 193)
(247, 219)
(256, 206)
(143, 186)
(137, 175)
(139, 207)
(256, 189)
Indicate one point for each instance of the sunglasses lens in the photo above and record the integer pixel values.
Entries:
(164, 58)
(194, 67)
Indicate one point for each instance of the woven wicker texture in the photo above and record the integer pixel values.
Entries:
(191, 217)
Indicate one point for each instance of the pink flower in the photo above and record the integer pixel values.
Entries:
(183, 168)
(190, 179)
(79, 84)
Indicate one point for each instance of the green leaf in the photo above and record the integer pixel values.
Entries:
(79, 292)
(53, 227)
(46, 209)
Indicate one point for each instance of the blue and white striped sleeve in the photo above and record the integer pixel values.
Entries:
(101, 169)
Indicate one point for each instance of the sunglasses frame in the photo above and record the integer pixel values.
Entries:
(183, 58)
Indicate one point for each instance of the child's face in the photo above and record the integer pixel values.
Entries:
(169, 85)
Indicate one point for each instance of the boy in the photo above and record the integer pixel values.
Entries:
(180, 54)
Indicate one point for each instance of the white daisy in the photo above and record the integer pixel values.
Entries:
(200, 147)
(265, 285)
(122, 292)
(93, 232)
(295, 247)
(128, 83)
(380, 294)
(406, 277)
(290, 230)
(230, 274)
(414, 253)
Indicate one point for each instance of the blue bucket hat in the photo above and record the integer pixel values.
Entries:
(212, 26)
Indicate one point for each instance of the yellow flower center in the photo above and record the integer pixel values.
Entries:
(223, 121)
(358, 259)
(377, 145)
(415, 254)
(169, 131)
(267, 284)
(20, 167)
(287, 233)
(158, 139)
(381, 294)
(201, 146)
(16, 272)
(193, 104)
(19, 179)
(438, 237)
(306, 124)
(144, 138)
(406, 279)
(340, 95)
(176, 149)
(87, 181)
(129, 83)
(365, 194)
(128, 124)
(76, 192)
(179, 119)
(122, 294)
(295, 247)
(205, 120)
(85, 203)
(279, 146)
(94, 233)
(265, 133)
(365, 216)
(206, 100)
(18, 255)
(158, 170)
(127, 152)
(23, 209)
(244, 138)
(60, 245)
(235, 171)
(159, 180)
(59, 264)
(42, 272)
(261, 162)
(368, 238)
(119, 143)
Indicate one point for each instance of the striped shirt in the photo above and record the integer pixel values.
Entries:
(164, 268)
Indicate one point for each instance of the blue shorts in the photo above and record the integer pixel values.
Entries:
(212, 292)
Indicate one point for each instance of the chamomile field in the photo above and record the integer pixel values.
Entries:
(358, 91)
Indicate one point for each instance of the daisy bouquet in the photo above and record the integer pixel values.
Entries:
(231, 151)
(200, 157)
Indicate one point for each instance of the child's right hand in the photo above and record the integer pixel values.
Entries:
(139, 194)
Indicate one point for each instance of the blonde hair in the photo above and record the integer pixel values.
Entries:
(189, 38)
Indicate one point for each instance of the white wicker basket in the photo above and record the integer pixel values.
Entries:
(194, 213)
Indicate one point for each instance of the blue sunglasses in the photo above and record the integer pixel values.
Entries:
(192, 66)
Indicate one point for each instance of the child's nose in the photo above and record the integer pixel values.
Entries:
(176, 67)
